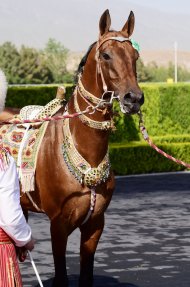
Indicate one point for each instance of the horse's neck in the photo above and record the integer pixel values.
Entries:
(92, 143)
(91, 75)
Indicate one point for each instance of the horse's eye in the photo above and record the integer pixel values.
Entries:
(106, 56)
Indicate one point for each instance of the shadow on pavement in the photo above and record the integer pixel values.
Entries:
(159, 182)
(99, 281)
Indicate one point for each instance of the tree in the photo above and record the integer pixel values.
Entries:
(158, 73)
(143, 74)
(9, 61)
(26, 66)
(162, 73)
(32, 68)
(56, 55)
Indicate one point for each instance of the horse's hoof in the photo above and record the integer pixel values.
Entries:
(60, 282)
(85, 283)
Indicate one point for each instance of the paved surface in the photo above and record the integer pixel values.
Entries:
(146, 241)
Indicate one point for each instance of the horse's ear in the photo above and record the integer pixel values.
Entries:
(105, 22)
(129, 25)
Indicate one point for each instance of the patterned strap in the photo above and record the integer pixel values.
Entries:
(100, 125)
(90, 97)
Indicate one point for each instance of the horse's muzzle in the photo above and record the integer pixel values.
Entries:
(131, 102)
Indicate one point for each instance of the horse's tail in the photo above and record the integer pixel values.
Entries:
(3, 90)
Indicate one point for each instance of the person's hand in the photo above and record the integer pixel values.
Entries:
(30, 245)
(21, 253)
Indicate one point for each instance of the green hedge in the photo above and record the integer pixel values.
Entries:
(20, 96)
(172, 138)
(166, 111)
(137, 158)
(166, 108)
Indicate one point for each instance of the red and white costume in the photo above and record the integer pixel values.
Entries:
(14, 229)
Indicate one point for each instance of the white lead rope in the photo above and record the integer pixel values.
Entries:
(35, 269)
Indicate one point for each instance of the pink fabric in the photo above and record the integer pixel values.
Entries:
(9, 269)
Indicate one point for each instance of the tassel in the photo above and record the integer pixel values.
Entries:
(4, 160)
(27, 180)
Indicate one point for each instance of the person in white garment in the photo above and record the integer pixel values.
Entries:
(14, 230)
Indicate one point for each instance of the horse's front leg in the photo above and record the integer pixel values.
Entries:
(90, 235)
(59, 236)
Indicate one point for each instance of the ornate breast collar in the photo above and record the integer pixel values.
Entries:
(79, 167)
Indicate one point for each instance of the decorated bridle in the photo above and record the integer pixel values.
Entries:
(97, 57)
(98, 104)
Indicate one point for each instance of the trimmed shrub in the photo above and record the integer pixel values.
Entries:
(166, 111)
(20, 96)
(172, 138)
(166, 108)
(137, 158)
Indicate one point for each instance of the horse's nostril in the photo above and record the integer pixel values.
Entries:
(127, 96)
(134, 98)
(141, 101)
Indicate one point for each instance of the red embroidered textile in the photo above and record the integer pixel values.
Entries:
(9, 269)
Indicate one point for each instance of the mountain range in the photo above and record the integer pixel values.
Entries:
(75, 24)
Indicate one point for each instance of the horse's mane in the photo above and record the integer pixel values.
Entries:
(83, 60)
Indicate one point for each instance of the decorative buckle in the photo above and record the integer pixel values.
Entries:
(111, 98)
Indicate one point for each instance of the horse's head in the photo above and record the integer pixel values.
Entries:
(116, 60)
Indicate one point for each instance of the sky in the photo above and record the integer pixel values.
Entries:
(75, 22)
(171, 6)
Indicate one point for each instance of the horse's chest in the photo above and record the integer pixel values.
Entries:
(77, 208)
(101, 203)
(98, 202)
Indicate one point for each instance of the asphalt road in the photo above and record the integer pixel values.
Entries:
(146, 240)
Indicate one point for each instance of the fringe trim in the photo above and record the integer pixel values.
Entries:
(4, 159)
(27, 176)
(27, 180)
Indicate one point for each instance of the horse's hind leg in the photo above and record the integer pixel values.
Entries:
(59, 237)
(90, 235)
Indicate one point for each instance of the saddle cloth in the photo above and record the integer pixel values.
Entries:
(23, 141)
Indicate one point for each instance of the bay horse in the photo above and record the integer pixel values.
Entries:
(73, 182)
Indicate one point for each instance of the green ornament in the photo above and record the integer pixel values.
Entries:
(135, 45)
